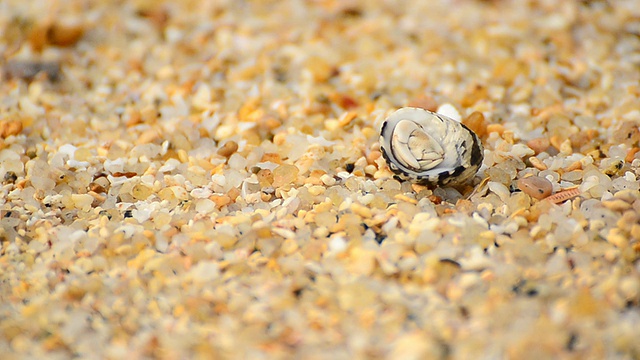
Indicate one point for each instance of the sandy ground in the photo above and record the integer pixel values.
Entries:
(203, 179)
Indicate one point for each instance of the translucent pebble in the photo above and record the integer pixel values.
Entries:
(550, 175)
(518, 201)
(588, 183)
(42, 183)
(594, 210)
(594, 171)
(68, 150)
(545, 222)
(622, 183)
(572, 175)
(255, 155)
(204, 206)
(336, 194)
(366, 199)
(617, 152)
(82, 201)
(219, 179)
(141, 192)
(179, 192)
(629, 176)
(114, 166)
(149, 151)
(450, 194)
(78, 164)
(352, 184)
(83, 154)
(58, 160)
(325, 219)
(161, 219)
(498, 175)
(555, 163)
(8, 155)
(233, 179)
(390, 225)
(499, 189)
(284, 174)
(511, 166)
(162, 244)
(197, 176)
(29, 108)
(391, 185)
(597, 191)
(14, 166)
(298, 146)
(521, 150)
(204, 271)
(147, 179)
(237, 161)
(370, 186)
(587, 160)
(320, 140)
(566, 184)
(169, 165)
(564, 233)
(202, 97)
(250, 186)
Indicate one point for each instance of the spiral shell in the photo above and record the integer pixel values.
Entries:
(429, 148)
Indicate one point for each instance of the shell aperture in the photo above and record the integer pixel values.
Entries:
(414, 147)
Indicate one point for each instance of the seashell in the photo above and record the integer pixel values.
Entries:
(557, 198)
(429, 148)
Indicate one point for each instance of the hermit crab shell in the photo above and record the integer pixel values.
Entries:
(429, 148)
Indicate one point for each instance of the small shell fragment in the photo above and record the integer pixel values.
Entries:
(563, 195)
(429, 148)
(535, 186)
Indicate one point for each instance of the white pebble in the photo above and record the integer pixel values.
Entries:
(141, 215)
(629, 176)
(450, 111)
(338, 244)
(521, 150)
(218, 179)
(328, 180)
(114, 166)
(68, 149)
(169, 165)
(201, 193)
(204, 206)
(320, 141)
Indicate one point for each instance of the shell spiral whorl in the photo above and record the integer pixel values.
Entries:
(429, 148)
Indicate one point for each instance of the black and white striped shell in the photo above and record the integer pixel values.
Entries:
(429, 148)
